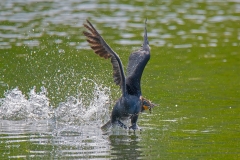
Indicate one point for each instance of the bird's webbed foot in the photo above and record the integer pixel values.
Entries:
(135, 127)
(121, 124)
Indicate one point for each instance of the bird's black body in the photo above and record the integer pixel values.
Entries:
(126, 107)
(130, 104)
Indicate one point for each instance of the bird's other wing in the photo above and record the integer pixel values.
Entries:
(101, 48)
(136, 64)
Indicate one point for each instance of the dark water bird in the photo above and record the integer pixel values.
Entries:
(131, 103)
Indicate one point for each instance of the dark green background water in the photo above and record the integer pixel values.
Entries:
(193, 74)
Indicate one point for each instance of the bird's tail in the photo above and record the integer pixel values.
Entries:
(107, 125)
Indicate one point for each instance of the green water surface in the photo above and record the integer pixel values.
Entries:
(193, 74)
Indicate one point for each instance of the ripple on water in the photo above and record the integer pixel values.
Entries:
(183, 46)
(46, 16)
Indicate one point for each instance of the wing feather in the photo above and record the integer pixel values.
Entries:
(136, 64)
(101, 48)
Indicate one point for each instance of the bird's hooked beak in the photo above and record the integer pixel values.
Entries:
(145, 38)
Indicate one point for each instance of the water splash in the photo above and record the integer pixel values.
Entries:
(16, 106)
(72, 126)
(89, 106)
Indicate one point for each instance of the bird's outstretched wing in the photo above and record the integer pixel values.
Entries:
(136, 64)
(101, 48)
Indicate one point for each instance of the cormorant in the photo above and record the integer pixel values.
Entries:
(131, 103)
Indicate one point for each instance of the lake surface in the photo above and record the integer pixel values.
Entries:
(56, 93)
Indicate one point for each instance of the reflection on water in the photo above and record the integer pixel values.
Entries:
(46, 138)
(192, 75)
(125, 146)
(24, 22)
